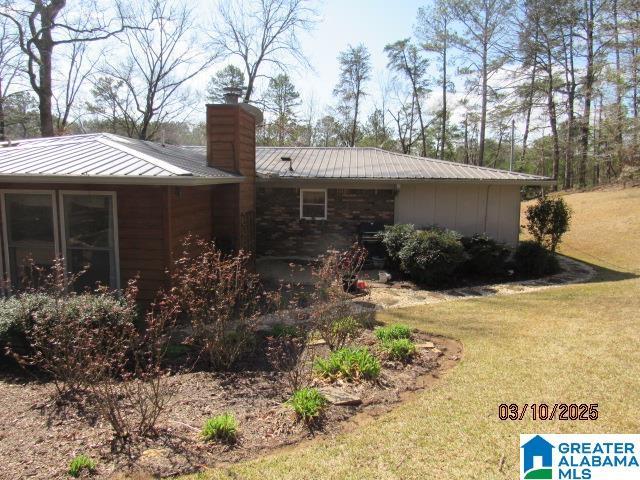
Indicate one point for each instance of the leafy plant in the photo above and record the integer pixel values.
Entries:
(401, 349)
(308, 404)
(221, 427)
(394, 237)
(393, 332)
(533, 260)
(548, 220)
(79, 464)
(486, 257)
(350, 364)
(432, 256)
(284, 330)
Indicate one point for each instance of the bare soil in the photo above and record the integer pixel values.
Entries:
(39, 439)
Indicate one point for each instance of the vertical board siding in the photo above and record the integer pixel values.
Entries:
(468, 209)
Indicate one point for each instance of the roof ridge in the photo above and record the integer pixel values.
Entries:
(106, 140)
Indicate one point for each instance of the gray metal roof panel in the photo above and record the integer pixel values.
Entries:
(104, 155)
(364, 163)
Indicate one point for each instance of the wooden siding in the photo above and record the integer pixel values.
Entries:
(469, 209)
(152, 221)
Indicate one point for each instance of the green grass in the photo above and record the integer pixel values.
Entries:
(572, 344)
(348, 363)
(223, 428)
(80, 464)
(308, 404)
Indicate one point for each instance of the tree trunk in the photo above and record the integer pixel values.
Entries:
(588, 93)
(443, 135)
(2, 122)
(466, 139)
(619, 80)
(354, 127)
(571, 95)
(483, 115)
(527, 121)
(551, 105)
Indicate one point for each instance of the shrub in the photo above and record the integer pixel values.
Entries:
(308, 404)
(16, 314)
(79, 464)
(394, 238)
(393, 332)
(221, 298)
(401, 349)
(532, 259)
(284, 330)
(548, 220)
(349, 363)
(486, 257)
(289, 354)
(432, 256)
(222, 428)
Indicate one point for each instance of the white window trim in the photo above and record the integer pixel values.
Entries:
(114, 207)
(5, 235)
(326, 197)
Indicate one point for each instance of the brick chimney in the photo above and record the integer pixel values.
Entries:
(231, 146)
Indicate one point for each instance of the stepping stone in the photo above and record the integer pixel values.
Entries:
(339, 397)
(316, 342)
(425, 345)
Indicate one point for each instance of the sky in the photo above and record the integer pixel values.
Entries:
(374, 23)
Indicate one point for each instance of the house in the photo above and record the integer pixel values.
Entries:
(123, 205)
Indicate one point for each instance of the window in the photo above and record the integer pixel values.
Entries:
(87, 234)
(88, 237)
(29, 231)
(313, 204)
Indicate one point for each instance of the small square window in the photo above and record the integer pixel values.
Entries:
(313, 204)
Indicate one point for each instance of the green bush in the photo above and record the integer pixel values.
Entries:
(393, 332)
(16, 314)
(221, 427)
(393, 238)
(548, 220)
(486, 257)
(80, 464)
(284, 330)
(432, 256)
(308, 404)
(533, 260)
(401, 349)
(350, 364)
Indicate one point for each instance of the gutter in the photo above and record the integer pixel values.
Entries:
(181, 180)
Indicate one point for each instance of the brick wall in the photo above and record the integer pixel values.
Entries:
(281, 232)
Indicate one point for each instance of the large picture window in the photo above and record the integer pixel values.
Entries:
(313, 204)
(89, 237)
(29, 223)
(79, 226)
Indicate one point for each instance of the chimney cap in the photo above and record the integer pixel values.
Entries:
(232, 94)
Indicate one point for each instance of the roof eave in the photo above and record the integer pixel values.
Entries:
(120, 180)
(488, 181)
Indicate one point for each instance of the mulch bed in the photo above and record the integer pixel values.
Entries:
(38, 439)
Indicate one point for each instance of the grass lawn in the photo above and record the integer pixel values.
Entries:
(573, 344)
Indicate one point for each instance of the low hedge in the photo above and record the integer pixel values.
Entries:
(485, 256)
(433, 256)
(533, 260)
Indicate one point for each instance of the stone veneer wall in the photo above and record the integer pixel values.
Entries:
(280, 232)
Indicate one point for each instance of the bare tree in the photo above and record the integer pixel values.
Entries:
(10, 66)
(434, 31)
(484, 31)
(260, 33)
(355, 71)
(161, 58)
(37, 23)
(405, 58)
